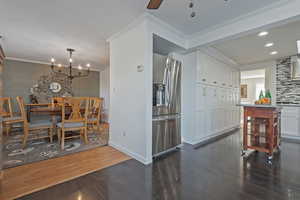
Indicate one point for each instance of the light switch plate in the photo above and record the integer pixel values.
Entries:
(140, 68)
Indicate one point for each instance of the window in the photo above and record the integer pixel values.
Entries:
(258, 88)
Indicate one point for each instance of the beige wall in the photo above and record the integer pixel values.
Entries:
(19, 77)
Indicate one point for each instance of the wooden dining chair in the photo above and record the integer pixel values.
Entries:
(74, 118)
(95, 105)
(34, 127)
(6, 113)
(57, 101)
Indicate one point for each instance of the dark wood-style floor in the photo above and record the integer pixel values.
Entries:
(215, 171)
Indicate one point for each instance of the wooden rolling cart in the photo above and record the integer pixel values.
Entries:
(256, 118)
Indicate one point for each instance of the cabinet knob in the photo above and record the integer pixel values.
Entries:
(203, 79)
(224, 84)
(215, 82)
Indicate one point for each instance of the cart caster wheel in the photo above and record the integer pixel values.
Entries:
(269, 162)
(270, 158)
(243, 153)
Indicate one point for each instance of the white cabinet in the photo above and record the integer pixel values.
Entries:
(201, 125)
(217, 93)
(216, 110)
(212, 71)
(290, 122)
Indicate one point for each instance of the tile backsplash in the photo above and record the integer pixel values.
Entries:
(287, 90)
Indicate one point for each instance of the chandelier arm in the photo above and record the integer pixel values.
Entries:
(69, 73)
(58, 72)
(81, 75)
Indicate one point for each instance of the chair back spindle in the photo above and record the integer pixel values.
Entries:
(21, 105)
(6, 107)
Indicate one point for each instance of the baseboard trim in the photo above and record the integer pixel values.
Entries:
(215, 137)
(130, 153)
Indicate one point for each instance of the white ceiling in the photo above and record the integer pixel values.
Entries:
(209, 13)
(250, 49)
(37, 30)
(258, 73)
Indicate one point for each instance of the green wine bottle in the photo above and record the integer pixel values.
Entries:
(261, 95)
(268, 95)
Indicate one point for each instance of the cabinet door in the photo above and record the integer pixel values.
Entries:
(201, 97)
(201, 125)
(290, 122)
(289, 126)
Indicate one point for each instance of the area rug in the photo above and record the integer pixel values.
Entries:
(38, 150)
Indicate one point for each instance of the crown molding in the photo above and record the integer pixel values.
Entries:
(165, 25)
(42, 63)
(146, 17)
(130, 26)
(213, 52)
(258, 65)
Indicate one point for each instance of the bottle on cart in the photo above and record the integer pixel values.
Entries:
(261, 95)
(268, 96)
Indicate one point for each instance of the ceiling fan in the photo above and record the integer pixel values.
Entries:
(154, 4)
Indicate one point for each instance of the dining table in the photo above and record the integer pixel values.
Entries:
(47, 109)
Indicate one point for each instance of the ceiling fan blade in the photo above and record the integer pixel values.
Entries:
(154, 4)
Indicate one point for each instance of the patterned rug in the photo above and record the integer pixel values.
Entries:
(38, 150)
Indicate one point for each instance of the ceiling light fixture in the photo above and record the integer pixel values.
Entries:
(270, 44)
(273, 53)
(263, 33)
(69, 72)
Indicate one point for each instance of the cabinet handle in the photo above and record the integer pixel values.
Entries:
(224, 84)
(215, 82)
(204, 92)
(203, 79)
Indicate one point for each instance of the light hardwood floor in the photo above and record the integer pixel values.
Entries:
(26, 179)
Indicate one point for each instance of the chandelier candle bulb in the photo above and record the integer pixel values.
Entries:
(269, 44)
(52, 60)
(263, 33)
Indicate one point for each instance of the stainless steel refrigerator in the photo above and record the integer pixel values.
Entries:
(166, 121)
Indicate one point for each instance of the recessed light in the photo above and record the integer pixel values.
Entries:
(273, 53)
(263, 33)
(270, 44)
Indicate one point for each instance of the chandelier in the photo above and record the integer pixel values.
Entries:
(68, 71)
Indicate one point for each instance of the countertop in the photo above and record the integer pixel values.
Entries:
(269, 106)
(289, 105)
(258, 105)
